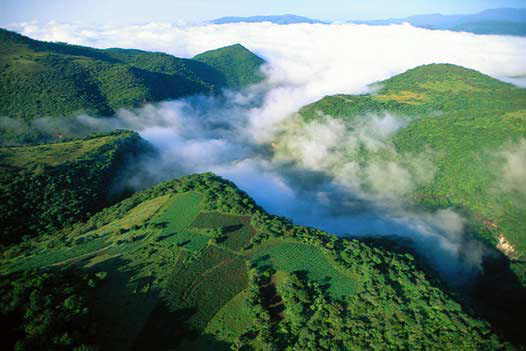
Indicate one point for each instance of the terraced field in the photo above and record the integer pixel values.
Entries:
(307, 260)
(237, 229)
(169, 285)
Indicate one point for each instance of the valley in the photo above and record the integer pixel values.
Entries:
(275, 199)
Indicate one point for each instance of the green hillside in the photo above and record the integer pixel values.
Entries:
(42, 79)
(244, 72)
(467, 123)
(195, 264)
(46, 187)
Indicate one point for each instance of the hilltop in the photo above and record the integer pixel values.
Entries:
(243, 73)
(194, 263)
(469, 125)
(278, 19)
(502, 21)
(44, 79)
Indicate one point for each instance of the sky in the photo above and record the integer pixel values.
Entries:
(119, 12)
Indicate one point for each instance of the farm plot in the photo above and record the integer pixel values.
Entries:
(237, 229)
(297, 257)
(206, 284)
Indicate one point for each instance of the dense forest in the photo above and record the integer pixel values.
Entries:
(195, 263)
(54, 185)
(43, 79)
(465, 123)
(88, 263)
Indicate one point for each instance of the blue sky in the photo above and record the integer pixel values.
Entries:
(140, 11)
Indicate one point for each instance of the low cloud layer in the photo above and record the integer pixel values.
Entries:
(361, 159)
(512, 176)
(292, 168)
(308, 61)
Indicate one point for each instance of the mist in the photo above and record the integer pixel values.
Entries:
(295, 169)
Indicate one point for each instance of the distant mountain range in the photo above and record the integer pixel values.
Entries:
(279, 19)
(504, 21)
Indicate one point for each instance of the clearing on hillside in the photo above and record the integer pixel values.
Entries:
(296, 257)
(237, 229)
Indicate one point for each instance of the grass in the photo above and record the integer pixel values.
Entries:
(238, 230)
(404, 96)
(50, 154)
(180, 212)
(207, 283)
(233, 319)
(136, 216)
(188, 239)
(42, 260)
(297, 257)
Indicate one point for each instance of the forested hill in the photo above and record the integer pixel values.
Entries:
(470, 126)
(239, 66)
(41, 79)
(47, 187)
(195, 264)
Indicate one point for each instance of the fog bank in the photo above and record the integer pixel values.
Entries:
(296, 169)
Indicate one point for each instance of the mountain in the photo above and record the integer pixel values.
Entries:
(502, 21)
(280, 19)
(246, 70)
(46, 187)
(194, 263)
(43, 79)
(471, 128)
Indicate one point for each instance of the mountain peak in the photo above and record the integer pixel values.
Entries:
(246, 70)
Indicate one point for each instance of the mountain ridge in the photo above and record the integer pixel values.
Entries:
(42, 79)
(276, 19)
(464, 117)
(504, 21)
(193, 261)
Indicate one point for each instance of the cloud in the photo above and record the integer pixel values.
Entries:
(308, 61)
(359, 155)
(511, 177)
(312, 172)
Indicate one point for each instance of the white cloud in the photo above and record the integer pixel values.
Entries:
(305, 62)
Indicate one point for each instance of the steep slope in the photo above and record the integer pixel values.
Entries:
(47, 187)
(471, 127)
(195, 264)
(238, 65)
(502, 21)
(41, 79)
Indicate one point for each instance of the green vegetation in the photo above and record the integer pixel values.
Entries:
(43, 79)
(467, 122)
(235, 231)
(48, 311)
(55, 185)
(297, 257)
(243, 73)
(181, 211)
(285, 287)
